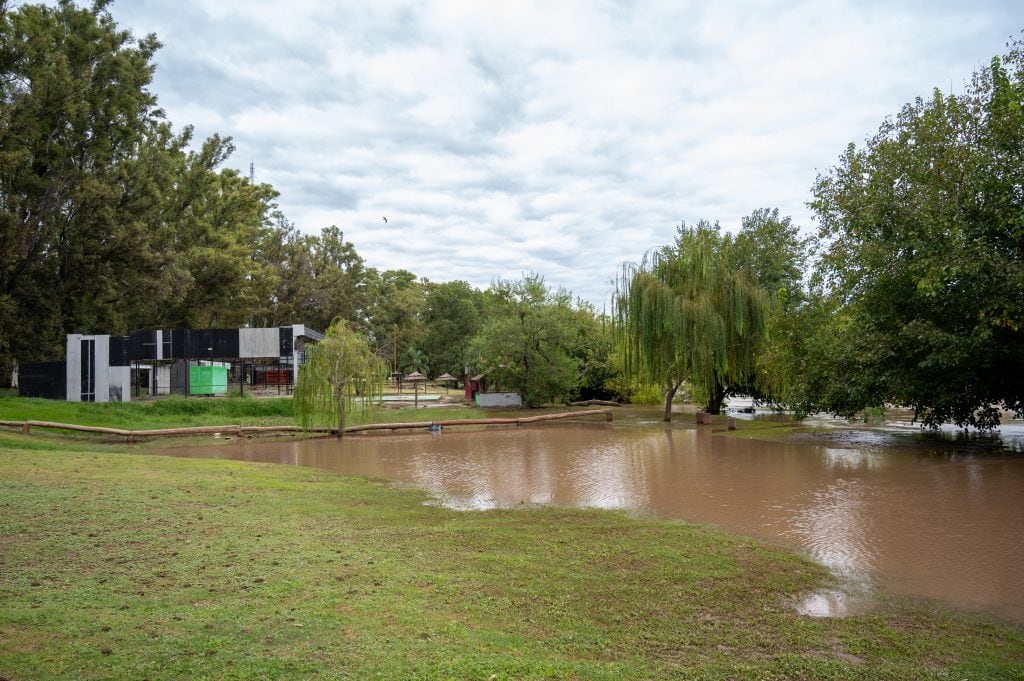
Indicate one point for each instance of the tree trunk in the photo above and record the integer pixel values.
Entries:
(341, 415)
(526, 379)
(715, 403)
(670, 393)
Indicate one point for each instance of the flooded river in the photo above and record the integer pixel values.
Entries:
(934, 518)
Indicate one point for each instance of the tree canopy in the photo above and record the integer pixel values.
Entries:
(108, 221)
(75, 110)
(525, 342)
(690, 313)
(922, 268)
(451, 316)
(343, 378)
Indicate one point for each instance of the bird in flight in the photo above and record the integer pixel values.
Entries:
(385, 219)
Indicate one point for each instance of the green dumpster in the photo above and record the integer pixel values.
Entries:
(208, 380)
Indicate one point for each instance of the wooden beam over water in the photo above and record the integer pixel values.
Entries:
(480, 422)
(238, 430)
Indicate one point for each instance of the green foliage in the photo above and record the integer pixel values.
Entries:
(107, 223)
(922, 268)
(74, 110)
(231, 407)
(874, 415)
(414, 359)
(170, 412)
(593, 348)
(217, 217)
(692, 312)
(342, 379)
(340, 281)
(526, 343)
(307, 277)
(647, 394)
(772, 250)
(393, 315)
(452, 314)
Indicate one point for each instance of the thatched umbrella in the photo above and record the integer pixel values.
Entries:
(446, 378)
(416, 378)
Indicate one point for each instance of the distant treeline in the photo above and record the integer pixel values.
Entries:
(911, 292)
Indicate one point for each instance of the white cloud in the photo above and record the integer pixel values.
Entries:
(557, 137)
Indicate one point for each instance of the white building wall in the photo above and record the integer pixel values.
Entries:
(162, 376)
(110, 384)
(74, 367)
(499, 400)
(258, 343)
(102, 367)
(119, 385)
(297, 330)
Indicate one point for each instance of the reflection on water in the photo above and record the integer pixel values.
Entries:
(834, 603)
(910, 521)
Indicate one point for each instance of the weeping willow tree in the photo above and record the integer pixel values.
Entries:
(342, 378)
(689, 313)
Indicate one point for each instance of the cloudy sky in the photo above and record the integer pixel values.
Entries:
(556, 137)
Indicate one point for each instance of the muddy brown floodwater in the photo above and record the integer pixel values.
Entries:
(939, 519)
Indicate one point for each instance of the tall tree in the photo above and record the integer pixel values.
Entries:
(922, 232)
(527, 339)
(592, 346)
(688, 313)
(306, 277)
(771, 249)
(211, 219)
(283, 287)
(393, 313)
(342, 285)
(341, 379)
(452, 315)
(75, 111)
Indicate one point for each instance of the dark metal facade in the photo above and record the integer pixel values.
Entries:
(43, 379)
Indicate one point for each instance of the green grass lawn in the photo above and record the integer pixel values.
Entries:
(169, 412)
(173, 412)
(115, 564)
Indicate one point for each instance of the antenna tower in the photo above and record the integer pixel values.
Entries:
(252, 172)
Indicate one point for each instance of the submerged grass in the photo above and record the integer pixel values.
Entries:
(126, 566)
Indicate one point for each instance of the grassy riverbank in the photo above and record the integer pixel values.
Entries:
(178, 412)
(171, 412)
(119, 565)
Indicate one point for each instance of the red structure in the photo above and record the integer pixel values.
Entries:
(474, 385)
